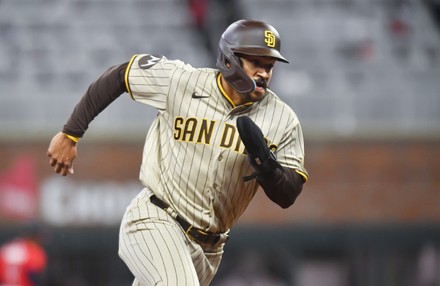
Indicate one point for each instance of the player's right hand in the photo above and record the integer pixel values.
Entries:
(62, 152)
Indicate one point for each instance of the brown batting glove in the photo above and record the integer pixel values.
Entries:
(259, 156)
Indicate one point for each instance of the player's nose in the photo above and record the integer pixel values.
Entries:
(263, 73)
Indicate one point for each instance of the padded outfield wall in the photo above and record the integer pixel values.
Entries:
(367, 202)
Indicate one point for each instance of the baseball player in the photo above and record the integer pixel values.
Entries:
(219, 135)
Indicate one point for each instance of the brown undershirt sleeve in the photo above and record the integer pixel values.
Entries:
(98, 96)
(283, 186)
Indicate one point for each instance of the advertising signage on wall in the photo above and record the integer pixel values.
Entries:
(66, 203)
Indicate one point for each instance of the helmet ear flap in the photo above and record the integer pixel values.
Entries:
(233, 73)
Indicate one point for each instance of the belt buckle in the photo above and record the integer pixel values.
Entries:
(205, 237)
(196, 234)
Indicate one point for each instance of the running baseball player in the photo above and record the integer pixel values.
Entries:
(219, 135)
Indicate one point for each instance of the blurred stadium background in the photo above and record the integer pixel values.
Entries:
(364, 79)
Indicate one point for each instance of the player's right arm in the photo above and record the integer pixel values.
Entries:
(62, 149)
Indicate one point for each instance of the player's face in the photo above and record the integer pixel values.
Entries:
(260, 70)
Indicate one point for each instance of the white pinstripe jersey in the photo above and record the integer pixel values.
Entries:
(193, 157)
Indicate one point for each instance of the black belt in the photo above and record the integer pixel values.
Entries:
(195, 233)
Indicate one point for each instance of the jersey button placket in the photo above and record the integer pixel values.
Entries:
(215, 184)
(219, 158)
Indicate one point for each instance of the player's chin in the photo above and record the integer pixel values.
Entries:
(258, 94)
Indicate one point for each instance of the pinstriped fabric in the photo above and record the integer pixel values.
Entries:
(195, 161)
(281, 126)
(201, 178)
(157, 252)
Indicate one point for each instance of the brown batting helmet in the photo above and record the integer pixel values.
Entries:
(246, 37)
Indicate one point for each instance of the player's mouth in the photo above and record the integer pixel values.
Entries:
(261, 84)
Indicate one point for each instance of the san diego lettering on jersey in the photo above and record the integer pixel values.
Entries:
(194, 130)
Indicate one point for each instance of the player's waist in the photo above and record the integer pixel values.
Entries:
(194, 233)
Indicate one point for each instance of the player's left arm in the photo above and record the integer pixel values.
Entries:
(281, 184)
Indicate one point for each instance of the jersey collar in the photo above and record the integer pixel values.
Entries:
(225, 95)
